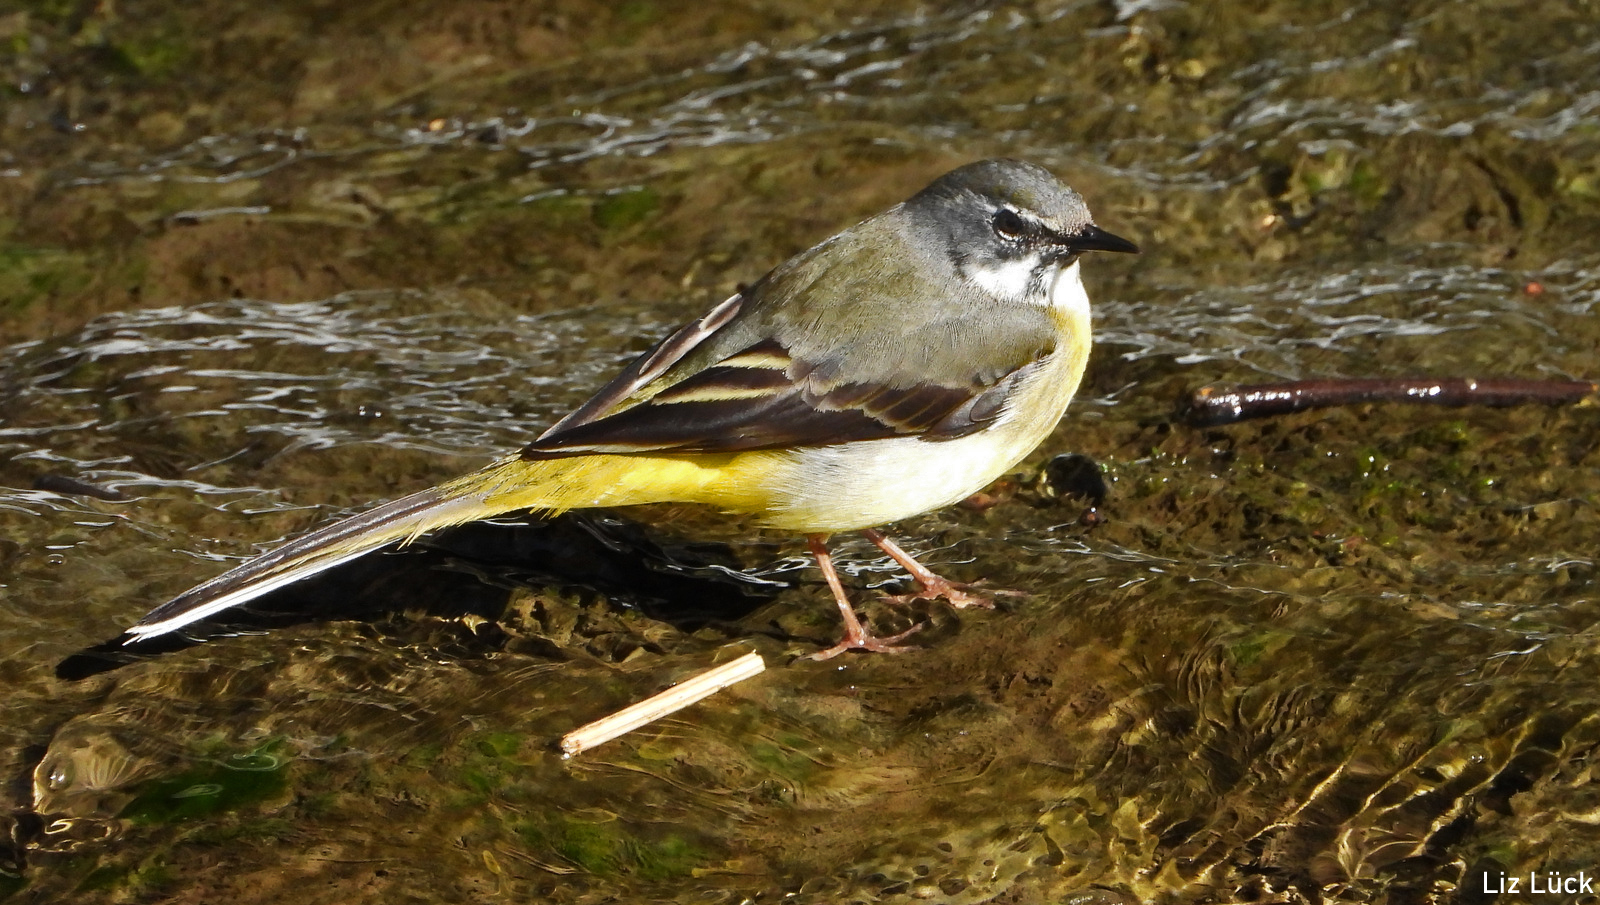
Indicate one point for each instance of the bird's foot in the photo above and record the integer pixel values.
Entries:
(857, 637)
(929, 585)
(958, 594)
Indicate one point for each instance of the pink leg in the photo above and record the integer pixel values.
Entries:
(930, 586)
(856, 636)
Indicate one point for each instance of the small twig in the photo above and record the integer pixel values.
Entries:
(526, 858)
(667, 702)
(1213, 405)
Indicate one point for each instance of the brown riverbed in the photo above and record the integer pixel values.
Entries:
(260, 265)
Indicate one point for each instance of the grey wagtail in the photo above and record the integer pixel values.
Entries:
(897, 367)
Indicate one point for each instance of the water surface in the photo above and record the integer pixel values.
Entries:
(1339, 655)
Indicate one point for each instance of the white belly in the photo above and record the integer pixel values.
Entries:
(859, 485)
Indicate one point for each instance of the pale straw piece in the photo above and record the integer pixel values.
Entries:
(679, 696)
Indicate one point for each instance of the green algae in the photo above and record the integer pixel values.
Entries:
(219, 786)
(606, 848)
(621, 210)
(29, 275)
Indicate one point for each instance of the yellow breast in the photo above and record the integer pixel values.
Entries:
(820, 489)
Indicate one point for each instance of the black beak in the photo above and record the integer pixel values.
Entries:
(1093, 238)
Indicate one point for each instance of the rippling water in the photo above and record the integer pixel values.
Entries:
(1338, 655)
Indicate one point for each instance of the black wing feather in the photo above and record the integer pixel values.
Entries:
(736, 408)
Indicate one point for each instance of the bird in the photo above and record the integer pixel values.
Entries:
(894, 368)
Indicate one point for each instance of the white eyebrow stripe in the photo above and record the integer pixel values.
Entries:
(1025, 214)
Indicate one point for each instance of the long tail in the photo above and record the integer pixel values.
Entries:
(509, 485)
(324, 548)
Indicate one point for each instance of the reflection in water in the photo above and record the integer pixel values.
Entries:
(314, 374)
(468, 573)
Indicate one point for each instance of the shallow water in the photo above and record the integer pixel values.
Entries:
(1342, 655)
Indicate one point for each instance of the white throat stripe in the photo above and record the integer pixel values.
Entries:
(1013, 281)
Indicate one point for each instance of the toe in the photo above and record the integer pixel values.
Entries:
(870, 642)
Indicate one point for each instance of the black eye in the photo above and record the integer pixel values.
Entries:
(1010, 226)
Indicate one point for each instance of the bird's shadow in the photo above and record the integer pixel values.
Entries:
(473, 570)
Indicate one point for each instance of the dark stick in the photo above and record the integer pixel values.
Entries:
(1212, 405)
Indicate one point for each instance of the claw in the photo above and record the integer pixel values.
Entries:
(856, 636)
(862, 640)
(956, 593)
(931, 586)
